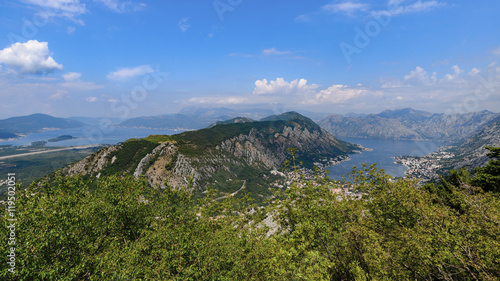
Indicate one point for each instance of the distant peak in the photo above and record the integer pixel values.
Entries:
(285, 116)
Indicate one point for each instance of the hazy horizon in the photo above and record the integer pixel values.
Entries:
(273, 112)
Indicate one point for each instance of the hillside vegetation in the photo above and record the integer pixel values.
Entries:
(119, 228)
(225, 156)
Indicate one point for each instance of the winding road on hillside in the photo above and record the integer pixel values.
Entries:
(234, 193)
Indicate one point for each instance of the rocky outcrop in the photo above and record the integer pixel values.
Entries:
(92, 164)
(225, 152)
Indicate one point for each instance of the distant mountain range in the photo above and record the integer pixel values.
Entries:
(225, 156)
(198, 118)
(192, 118)
(468, 153)
(17, 126)
(408, 124)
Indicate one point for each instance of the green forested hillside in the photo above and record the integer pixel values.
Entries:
(225, 156)
(35, 123)
(119, 228)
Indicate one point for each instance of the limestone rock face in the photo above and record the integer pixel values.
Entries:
(93, 163)
(224, 152)
(409, 124)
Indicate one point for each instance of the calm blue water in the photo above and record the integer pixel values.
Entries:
(383, 152)
(89, 135)
(383, 155)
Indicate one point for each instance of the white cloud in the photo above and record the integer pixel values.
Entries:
(71, 76)
(456, 73)
(394, 7)
(183, 25)
(474, 72)
(72, 81)
(280, 91)
(420, 77)
(70, 9)
(130, 72)
(348, 7)
(273, 51)
(58, 95)
(282, 87)
(91, 99)
(122, 6)
(336, 94)
(32, 57)
(303, 18)
(400, 7)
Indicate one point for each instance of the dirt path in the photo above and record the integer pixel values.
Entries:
(234, 193)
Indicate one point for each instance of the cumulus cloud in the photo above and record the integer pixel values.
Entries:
(130, 72)
(183, 25)
(32, 57)
(420, 77)
(456, 73)
(336, 94)
(71, 76)
(280, 91)
(70, 9)
(474, 72)
(91, 99)
(282, 87)
(347, 7)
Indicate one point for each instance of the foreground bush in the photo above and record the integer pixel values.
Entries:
(121, 229)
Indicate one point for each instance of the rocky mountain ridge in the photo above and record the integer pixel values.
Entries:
(469, 153)
(222, 156)
(408, 124)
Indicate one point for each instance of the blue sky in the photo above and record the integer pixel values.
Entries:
(123, 59)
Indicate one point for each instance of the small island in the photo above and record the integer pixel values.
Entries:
(62, 138)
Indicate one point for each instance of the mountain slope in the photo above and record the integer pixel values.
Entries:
(224, 156)
(469, 153)
(408, 124)
(234, 120)
(35, 123)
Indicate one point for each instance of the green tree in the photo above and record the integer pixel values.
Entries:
(488, 177)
